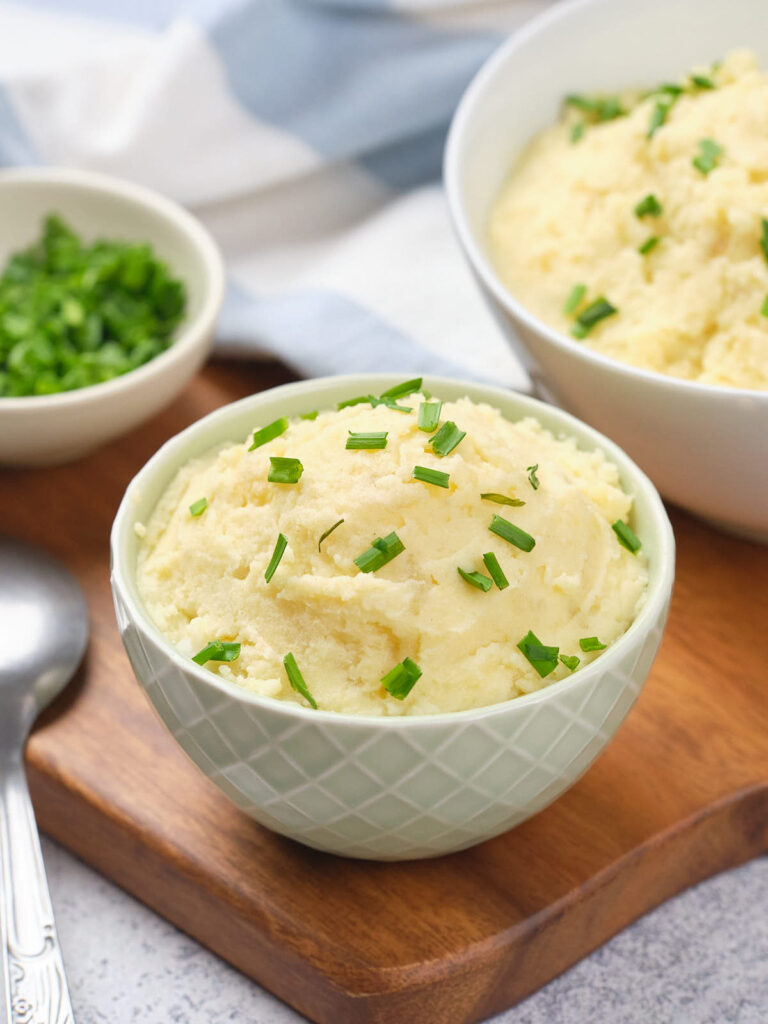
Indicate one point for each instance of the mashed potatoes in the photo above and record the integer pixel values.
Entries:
(202, 576)
(689, 279)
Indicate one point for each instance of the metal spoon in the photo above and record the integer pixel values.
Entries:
(43, 633)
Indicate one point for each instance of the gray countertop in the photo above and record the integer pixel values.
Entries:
(702, 958)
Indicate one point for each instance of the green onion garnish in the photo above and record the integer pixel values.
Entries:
(764, 239)
(309, 415)
(570, 661)
(408, 387)
(511, 533)
(360, 400)
(648, 244)
(702, 82)
(328, 532)
(574, 300)
(627, 537)
(280, 545)
(431, 476)
(591, 643)
(296, 679)
(429, 415)
(658, 116)
(475, 579)
(198, 507)
(497, 574)
(533, 480)
(577, 131)
(501, 499)
(383, 550)
(764, 308)
(374, 441)
(447, 438)
(284, 471)
(400, 680)
(543, 659)
(218, 650)
(709, 154)
(649, 207)
(269, 433)
(593, 314)
(597, 108)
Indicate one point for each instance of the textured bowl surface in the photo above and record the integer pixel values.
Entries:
(386, 788)
(704, 447)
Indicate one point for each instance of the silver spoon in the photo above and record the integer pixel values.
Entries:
(43, 633)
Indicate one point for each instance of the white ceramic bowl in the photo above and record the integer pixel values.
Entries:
(706, 448)
(386, 788)
(47, 429)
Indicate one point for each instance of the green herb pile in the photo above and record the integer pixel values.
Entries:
(74, 314)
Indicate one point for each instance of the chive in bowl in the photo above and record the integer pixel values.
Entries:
(47, 429)
(387, 788)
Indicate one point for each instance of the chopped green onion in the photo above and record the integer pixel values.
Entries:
(702, 82)
(218, 650)
(648, 245)
(627, 537)
(360, 400)
(198, 507)
(649, 207)
(533, 480)
(429, 415)
(400, 680)
(309, 415)
(669, 89)
(373, 441)
(269, 433)
(593, 314)
(408, 387)
(591, 643)
(709, 154)
(476, 579)
(501, 499)
(328, 532)
(543, 659)
(280, 545)
(764, 308)
(497, 574)
(431, 476)
(597, 108)
(570, 661)
(764, 239)
(284, 471)
(383, 550)
(658, 116)
(296, 679)
(447, 438)
(511, 533)
(577, 132)
(574, 300)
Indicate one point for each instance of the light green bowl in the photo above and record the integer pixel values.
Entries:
(387, 788)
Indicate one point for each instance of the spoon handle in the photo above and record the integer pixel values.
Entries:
(36, 987)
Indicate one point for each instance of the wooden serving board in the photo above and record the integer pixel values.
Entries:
(680, 794)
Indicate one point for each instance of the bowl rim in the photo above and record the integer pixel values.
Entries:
(192, 331)
(657, 597)
(483, 80)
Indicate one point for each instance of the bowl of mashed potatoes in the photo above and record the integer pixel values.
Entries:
(389, 618)
(607, 173)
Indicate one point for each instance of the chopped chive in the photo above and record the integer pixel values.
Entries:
(383, 550)
(658, 116)
(218, 650)
(579, 331)
(764, 239)
(574, 300)
(373, 401)
(533, 480)
(649, 207)
(280, 545)
(408, 387)
(349, 402)
(709, 154)
(648, 245)
(269, 433)
(296, 679)
(543, 658)
(591, 643)
(501, 499)
(511, 533)
(328, 532)
(198, 507)
(374, 441)
(669, 89)
(597, 108)
(400, 680)
(309, 415)
(431, 476)
(593, 314)
(627, 537)
(284, 471)
(570, 661)
(475, 579)
(447, 438)
(491, 563)
(764, 308)
(577, 132)
(429, 415)
(702, 82)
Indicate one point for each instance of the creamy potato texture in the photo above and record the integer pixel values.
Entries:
(203, 577)
(691, 305)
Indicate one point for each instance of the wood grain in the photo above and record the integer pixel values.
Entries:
(680, 794)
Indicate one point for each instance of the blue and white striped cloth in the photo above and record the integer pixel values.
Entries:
(306, 134)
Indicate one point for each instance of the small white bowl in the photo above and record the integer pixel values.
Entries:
(387, 788)
(48, 429)
(705, 447)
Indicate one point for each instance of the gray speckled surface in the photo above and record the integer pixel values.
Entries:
(702, 958)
